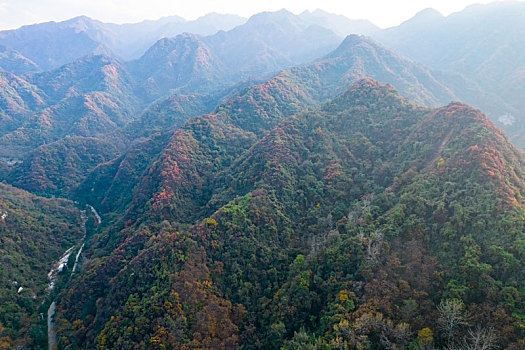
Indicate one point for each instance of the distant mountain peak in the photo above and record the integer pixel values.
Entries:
(339, 24)
(428, 14)
(350, 42)
(263, 17)
(214, 15)
(429, 11)
(352, 39)
(79, 18)
(169, 44)
(320, 12)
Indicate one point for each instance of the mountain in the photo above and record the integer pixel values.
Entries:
(12, 61)
(471, 48)
(269, 102)
(484, 43)
(98, 95)
(87, 115)
(168, 114)
(358, 57)
(86, 75)
(131, 40)
(340, 25)
(50, 45)
(206, 25)
(46, 46)
(343, 202)
(34, 234)
(54, 168)
(89, 97)
(270, 41)
(55, 157)
(352, 223)
(18, 98)
(111, 185)
(57, 168)
(189, 63)
(109, 112)
(265, 44)
(179, 65)
(42, 46)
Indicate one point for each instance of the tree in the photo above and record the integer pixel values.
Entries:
(478, 338)
(452, 315)
(425, 338)
(373, 243)
(301, 341)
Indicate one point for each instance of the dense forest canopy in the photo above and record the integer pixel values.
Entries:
(277, 182)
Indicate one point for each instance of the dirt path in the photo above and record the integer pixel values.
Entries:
(438, 152)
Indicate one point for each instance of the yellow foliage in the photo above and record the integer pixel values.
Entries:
(206, 284)
(343, 296)
(424, 336)
(101, 342)
(210, 223)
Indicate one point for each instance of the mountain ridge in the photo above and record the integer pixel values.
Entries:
(268, 186)
(264, 204)
(484, 44)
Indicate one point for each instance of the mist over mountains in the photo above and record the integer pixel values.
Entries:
(484, 43)
(284, 181)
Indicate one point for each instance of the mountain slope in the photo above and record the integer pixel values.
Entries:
(13, 62)
(34, 233)
(131, 40)
(182, 64)
(89, 97)
(18, 98)
(54, 168)
(311, 232)
(39, 46)
(484, 43)
(270, 41)
(340, 25)
(50, 45)
(266, 43)
(87, 74)
(249, 114)
(358, 57)
(94, 115)
(94, 128)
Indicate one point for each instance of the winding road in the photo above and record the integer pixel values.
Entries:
(59, 266)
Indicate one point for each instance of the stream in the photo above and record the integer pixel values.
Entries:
(99, 219)
(57, 268)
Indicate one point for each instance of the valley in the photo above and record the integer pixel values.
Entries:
(283, 181)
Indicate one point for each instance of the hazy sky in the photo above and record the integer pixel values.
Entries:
(14, 13)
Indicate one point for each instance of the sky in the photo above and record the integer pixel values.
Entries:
(384, 13)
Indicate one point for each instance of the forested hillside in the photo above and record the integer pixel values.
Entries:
(484, 43)
(253, 110)
(34, 233)
(263, 183)
(358, 224)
